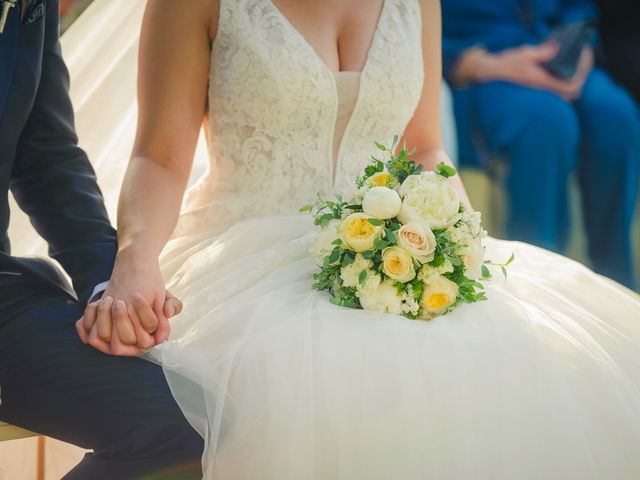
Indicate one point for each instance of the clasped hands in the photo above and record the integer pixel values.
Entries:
(132, 315)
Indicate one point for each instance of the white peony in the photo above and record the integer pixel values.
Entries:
(440, 294)
(384, 299)
(350, 274)
(420, 242)
(397, 264)
(381, 203)
(358, 233)
(429, 199)
(323, 245)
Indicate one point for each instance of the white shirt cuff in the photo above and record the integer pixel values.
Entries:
(98, 291)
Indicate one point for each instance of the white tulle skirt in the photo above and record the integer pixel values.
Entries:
(542, 381)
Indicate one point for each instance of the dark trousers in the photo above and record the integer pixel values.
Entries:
(545, 140)
(120, 408)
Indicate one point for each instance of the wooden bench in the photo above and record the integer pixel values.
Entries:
(11, 432)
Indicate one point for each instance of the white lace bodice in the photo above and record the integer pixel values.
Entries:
(273, 106)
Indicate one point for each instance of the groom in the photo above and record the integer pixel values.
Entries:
(50, 382)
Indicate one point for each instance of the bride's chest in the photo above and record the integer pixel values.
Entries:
(261, 65)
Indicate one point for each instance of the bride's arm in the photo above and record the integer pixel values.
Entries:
(172, 98)
(424, 131)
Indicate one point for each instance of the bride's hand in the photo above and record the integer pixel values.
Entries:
(134, 311)
(118, 313)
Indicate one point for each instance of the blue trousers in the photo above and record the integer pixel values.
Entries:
(120, 408)
(545, 140)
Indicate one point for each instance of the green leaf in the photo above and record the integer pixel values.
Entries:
(390, 236)
(362, 278)
(381, 147)
(445, 170)
(368, 255)
(485, 272)
(323, 219)
(348, 258)
(335, 255)
(375, 222)
(511, 259)
(395, 141)
(380, 244)
(306, 208)
(370, 170)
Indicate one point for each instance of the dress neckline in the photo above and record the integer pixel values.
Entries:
(314, 53)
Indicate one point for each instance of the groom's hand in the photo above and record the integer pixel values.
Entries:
(115, 328)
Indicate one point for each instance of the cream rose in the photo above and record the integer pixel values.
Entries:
(381, 203)
(324, 241)
(358, 233)
(429, 199)
(397, 264)
(437, 296)
(420, 242)
(385, 299)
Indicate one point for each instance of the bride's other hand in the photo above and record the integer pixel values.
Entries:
(424, 131)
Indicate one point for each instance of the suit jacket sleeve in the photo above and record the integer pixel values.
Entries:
(53, 181)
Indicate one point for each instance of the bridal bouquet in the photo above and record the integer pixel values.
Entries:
(403, 244)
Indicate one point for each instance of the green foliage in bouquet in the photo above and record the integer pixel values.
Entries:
(403, 244)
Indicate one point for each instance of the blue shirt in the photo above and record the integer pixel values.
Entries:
(497, 25)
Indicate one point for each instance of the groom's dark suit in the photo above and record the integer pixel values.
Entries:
(120, 408)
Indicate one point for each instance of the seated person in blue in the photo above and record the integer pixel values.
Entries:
(546, 127)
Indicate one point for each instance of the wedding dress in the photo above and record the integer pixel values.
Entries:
(542, 381)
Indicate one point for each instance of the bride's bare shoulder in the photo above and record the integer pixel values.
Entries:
(187, 15)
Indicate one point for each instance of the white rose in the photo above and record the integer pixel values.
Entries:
(472, 255)
(437, 296)
(358, 233)
(323, 245)
(350, 274)
(397, 264)
(381, 203)
(418, 241)
(384, 299)
(429, 199)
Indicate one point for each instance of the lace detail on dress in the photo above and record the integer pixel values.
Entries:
(273, 106)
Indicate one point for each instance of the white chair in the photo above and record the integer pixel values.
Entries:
(10, 432)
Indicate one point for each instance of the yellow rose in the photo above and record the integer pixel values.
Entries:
(358, 233)
(380, 179)
(418, 241)
(397, 264)
(437, 296)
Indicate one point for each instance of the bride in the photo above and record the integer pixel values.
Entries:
(540, 381)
